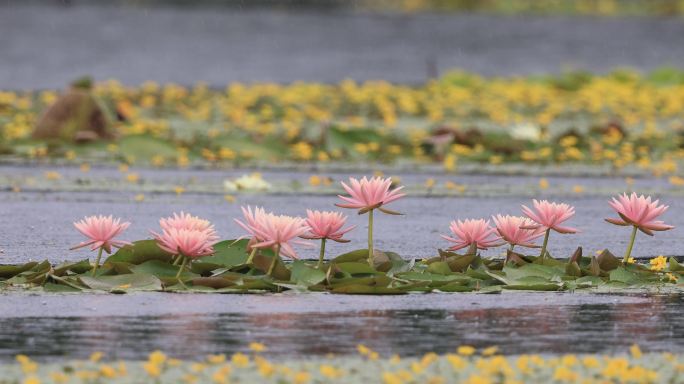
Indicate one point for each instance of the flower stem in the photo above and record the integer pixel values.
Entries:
(322, 255)
(177, 259)
(546, 242)
(275, 260)
(631, 245)
(251, 256)
(97, 261)
(185, 259)
(370, 238)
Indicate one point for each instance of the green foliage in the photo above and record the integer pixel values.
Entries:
(142, 266)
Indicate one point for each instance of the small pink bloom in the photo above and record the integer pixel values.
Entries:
(549, 215)
(187, 221)
(470, 231)
(326, 225)
(253, 220)
(191, 243)
(509, 228)
(639, 211)
(367, 194)
(101, 230)
(281, 231)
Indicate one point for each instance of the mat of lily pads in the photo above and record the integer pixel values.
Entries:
(464, 365)
(143, 266)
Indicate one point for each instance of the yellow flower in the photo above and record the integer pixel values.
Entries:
(363, 350)
(465, 350)
(301, 377)
(52, 175)
(229, 198)
(659, 263)
(216, 359)
(315, 180)
(31, 380)
(152, 369)
(563, 373)
(179, 190)
(671, 277)
(107, 371)
(132, 177)
(96, 356)
(543, 183)
(257, 347)
(489, 351)
(635, 351)
(240, 360)
(578, 189)
(330, 372)
(157, 357)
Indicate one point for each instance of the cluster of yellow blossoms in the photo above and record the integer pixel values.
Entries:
(621, 119)
(465, 365)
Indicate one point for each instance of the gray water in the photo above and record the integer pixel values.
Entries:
(45, 45)
(189, 326)
(37, 222)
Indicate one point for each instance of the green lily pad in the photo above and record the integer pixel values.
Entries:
(140, 252)
(305, 275)
(130, 282)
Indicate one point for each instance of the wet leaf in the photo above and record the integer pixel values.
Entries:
(133, 281)
(607, 261)
(356, 289)
(262, 262)
(355, 268)
(353, 256)
(140, 252)
(440, 268)
(7, 271)
(79, 267)
(622, 275)
(305, 275)
(163, 271)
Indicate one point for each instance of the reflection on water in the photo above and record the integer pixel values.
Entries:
(656, 325)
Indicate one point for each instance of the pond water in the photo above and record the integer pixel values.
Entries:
(52, 327)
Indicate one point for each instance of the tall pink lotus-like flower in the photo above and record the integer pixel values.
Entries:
(189, 222)
(192, 243)
(550, 215)
(510, 229)
(101, 230)
(366, 195)
(472, 231)
(187, 237)
(639, 212)
(280, 232)
(253, 220)
(326, 225)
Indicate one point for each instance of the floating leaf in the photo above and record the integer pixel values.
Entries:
(133, 281)
(305, 275)
(163, 271)
(7, 271)
(140, 252)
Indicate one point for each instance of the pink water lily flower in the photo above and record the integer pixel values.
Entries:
(326, 225)
(253, 220)
(368, 194)
(510, 228)
(280, 232)
(549, 215)
(472, 231)
(190, 243)
(640, 212)
(101, 231)
(187, 221)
